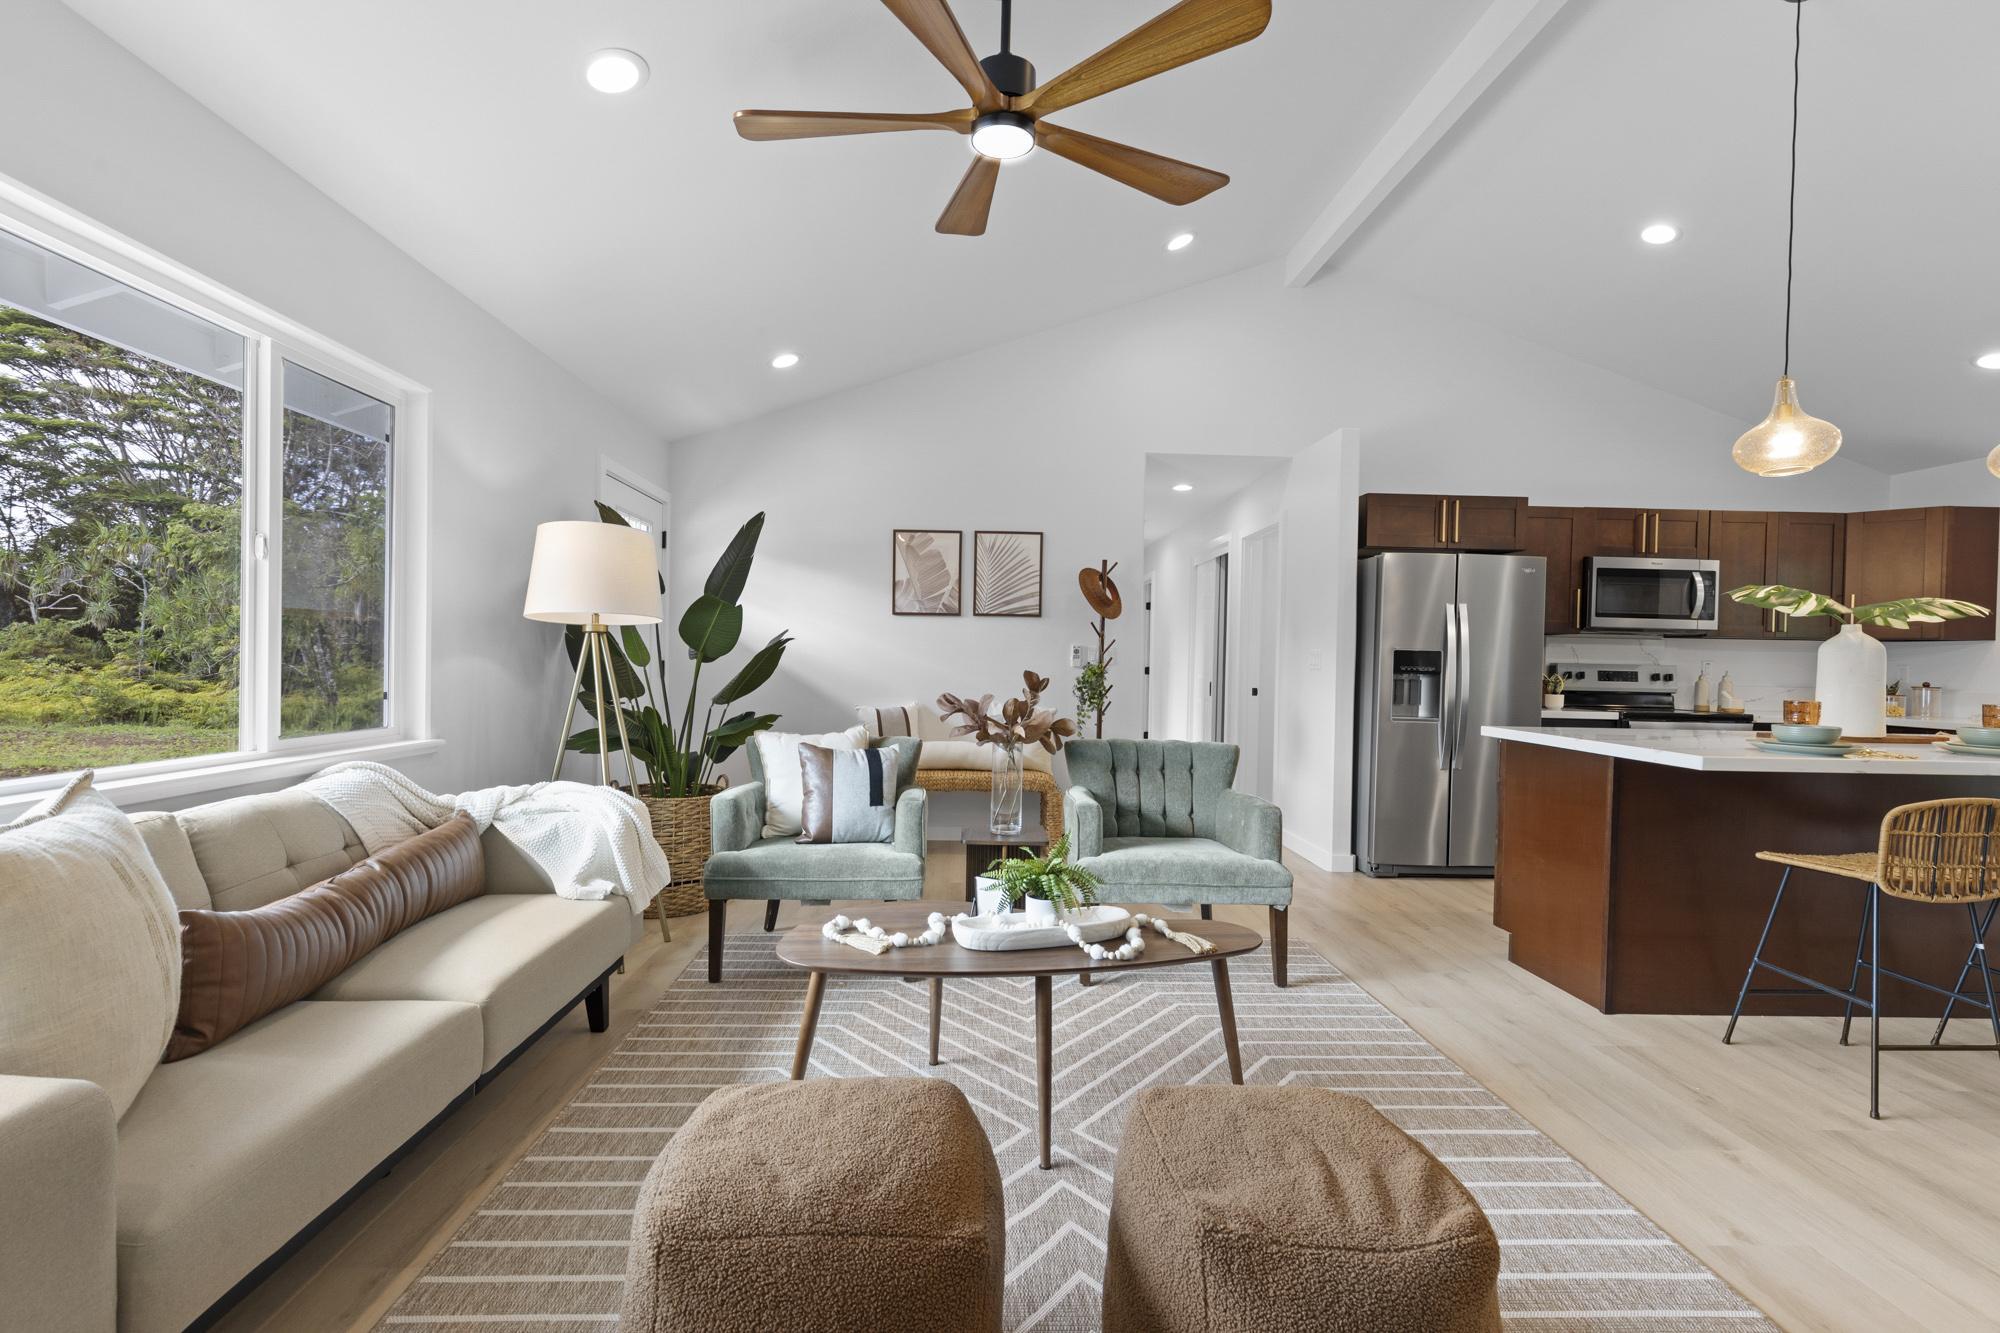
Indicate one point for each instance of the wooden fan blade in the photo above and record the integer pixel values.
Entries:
(934, 26)
(965, 215)
(1161, 177)
(766, 125)
(1190, 30)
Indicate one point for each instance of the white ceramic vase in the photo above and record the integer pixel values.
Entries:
(989, 897)
(1853, 676)
(1041, 912)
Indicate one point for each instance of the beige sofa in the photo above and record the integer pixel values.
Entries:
(228, 1161)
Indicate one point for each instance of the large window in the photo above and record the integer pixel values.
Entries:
(184, 572)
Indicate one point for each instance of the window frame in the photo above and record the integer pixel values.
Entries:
(270, 340)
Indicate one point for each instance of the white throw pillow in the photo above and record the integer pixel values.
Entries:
(963, 754)
(883, 720)
(784, 793)
(91, 939)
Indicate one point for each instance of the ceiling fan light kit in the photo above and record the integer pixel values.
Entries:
(1005, 121)
(1788, 441)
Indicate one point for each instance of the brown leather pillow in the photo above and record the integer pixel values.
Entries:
(238, 966)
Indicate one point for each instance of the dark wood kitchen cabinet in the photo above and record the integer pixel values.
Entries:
(1393, 522)
(1552, 534)
(1943, 551)
(1753, 546)
(1680, 534)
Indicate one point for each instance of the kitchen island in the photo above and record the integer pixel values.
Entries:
(1625, 871)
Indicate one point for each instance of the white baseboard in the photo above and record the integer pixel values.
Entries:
(1318, 855)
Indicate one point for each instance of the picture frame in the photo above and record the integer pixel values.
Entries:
(1007, 573)
(924, 571)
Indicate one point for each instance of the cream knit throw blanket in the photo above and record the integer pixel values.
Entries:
(591, 842)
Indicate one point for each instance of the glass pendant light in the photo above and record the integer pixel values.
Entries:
(1789, 442)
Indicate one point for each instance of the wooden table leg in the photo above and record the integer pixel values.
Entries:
(1043, 1056)
(808, 1024)
(1084, 979)
(1225, 1009)
(937, 1009)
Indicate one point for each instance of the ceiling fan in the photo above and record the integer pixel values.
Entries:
(1005, 118)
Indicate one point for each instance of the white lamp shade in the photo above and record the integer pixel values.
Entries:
(584, 569)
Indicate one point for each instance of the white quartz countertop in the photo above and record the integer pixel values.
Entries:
(1727, 750)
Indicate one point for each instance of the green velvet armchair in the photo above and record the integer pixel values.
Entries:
(745, 864)
(1157, 822)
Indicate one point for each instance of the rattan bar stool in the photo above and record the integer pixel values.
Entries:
(1942, 852)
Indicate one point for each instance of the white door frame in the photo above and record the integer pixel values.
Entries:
(1209, 716)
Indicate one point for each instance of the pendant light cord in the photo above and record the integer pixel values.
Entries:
(1792, 203)
(1007, 37)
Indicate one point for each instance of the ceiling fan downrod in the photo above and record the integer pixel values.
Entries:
(1013, 75)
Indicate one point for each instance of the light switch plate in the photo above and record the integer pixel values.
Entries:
(1076, 658)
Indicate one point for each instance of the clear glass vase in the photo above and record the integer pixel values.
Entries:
(1005, 810)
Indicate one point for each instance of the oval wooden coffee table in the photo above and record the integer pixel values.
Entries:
(804, 947)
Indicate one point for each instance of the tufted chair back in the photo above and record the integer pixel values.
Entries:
(1154, 789)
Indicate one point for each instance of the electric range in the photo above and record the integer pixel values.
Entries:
(1644, 697)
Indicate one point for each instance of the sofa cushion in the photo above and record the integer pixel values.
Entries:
(167, 842)
(238, 966)
(783, 868)
(90, 966)
(226, 1156)
(1186, 870)
(971, 756)
(256, 849)
(518, 956)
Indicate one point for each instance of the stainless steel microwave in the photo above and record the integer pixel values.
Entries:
(1651, 594)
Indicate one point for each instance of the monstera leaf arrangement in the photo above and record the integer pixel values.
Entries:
(1900, 613)
(1020, 722)
(678, 759)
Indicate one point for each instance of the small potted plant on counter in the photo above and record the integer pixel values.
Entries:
(1552, 690)
(1045, 887)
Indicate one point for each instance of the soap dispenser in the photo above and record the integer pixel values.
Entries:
(1725, 696)
(1704, 697)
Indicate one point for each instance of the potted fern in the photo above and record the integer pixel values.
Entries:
(1045, 887)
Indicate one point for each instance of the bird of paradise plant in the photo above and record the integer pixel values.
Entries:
(680, 761)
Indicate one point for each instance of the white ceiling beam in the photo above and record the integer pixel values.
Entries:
(1492, 44)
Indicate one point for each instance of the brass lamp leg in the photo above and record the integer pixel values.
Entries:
(569, 714)
(597, 675)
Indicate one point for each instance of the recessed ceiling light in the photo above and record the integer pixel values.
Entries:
(615, 71)
(1182, 486)
(1182, 241)
(784, 360)
(1987, 361)
(1660, 233)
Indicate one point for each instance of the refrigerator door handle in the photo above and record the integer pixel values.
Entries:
(1464, 704)
(1448, 693)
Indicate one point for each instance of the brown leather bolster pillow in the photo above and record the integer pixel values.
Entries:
(238, 966)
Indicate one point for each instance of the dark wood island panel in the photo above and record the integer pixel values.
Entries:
(1634, 886)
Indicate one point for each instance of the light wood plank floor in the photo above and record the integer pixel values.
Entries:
(1759, 1158)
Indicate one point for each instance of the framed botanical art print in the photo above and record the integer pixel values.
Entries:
(923, 571)
(1006, 573)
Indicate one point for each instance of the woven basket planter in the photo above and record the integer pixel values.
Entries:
(680, 826)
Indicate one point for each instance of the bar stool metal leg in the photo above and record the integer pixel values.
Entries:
(1860, 957)
(1756, 957)
(1976, 958)
(1985, 972)
(1875, 1002)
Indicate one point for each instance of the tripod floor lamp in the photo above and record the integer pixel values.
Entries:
(595, 575)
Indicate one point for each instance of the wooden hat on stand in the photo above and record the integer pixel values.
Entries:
(1100, 592)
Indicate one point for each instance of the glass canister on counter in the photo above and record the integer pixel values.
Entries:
(1924, 700)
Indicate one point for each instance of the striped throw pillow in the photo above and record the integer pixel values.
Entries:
(885, 720)
(850, 795)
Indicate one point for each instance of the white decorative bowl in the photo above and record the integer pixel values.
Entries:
(1014, 931)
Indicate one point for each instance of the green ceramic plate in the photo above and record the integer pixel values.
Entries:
(1818, 751)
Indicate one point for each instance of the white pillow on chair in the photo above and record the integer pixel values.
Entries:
(784, 791)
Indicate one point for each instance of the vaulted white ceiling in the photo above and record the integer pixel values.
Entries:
(645, 246)
(642, 244)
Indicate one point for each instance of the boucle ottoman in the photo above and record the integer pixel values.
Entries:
(863, 1204)
(1283, 1210)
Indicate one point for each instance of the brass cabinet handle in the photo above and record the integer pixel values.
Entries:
(1656, 534)
(1457, 517)
(1579, 608)
(1442, 502)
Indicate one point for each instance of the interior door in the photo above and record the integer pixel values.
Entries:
(1257, 672)
(1210, 710)
(1500, 599)
(641, 504)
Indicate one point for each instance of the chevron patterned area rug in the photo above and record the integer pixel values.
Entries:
(545, 1252)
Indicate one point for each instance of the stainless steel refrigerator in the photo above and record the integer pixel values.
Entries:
(1448, 644)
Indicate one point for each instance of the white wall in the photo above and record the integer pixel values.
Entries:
(515, 439)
